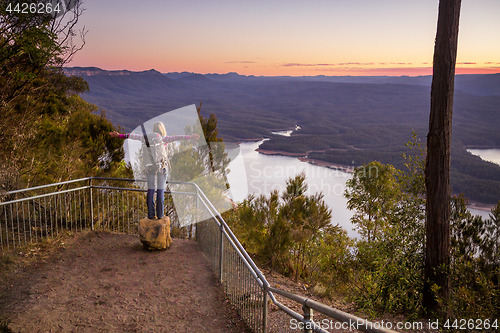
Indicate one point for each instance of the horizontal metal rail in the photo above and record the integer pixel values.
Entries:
(360, 324)
(231, 235)
(82, 180)
(246, 263)
(46, 186)
(135, 189)
(43, 195)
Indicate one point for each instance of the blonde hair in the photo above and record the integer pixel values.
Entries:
(159, 128)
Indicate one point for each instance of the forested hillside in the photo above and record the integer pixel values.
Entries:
(48, 133)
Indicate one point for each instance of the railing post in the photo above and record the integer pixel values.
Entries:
(308, 317)
(221, 251)
(196, 215)
(264, 310)
(91, 206)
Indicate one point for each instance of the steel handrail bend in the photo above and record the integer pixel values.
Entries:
(236, 241)
(235, 247)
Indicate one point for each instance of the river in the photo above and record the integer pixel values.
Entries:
(257, 173)
(253, 172)
(490, 155)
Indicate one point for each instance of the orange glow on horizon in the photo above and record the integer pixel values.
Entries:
(268, 67)
(273, 38)
(287, 71)
(261, 68)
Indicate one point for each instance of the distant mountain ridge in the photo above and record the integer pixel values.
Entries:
(90, 71)
(476, 84)
(280, 102)
(344, 118)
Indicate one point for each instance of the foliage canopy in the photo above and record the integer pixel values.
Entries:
(48, 132)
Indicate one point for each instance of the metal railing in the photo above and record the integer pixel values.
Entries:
(248, 289)
(98, 203)
(243, 283)
(30, 215)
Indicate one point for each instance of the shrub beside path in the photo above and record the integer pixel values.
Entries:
(104, 282)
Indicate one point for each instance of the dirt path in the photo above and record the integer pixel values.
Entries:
(107, 283)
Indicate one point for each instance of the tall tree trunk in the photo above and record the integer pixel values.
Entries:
(437, 171)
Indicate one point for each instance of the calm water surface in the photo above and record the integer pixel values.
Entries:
(257, 173)
(491, 155)
(252, 172)
(260, 174)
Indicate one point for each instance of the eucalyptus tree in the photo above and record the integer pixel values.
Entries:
(48, 132)
(437, 170)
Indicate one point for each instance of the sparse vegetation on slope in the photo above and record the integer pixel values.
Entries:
(383, 270)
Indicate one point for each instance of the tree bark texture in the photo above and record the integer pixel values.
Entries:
(437, 171)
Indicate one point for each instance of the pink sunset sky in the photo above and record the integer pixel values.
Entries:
(331, 37)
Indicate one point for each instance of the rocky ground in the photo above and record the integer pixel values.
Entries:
(103, 282)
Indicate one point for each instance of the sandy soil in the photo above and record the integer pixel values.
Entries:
(103, 282)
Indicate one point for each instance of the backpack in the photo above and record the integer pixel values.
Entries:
(153, 154)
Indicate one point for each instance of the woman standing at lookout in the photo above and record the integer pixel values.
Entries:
(153, 170)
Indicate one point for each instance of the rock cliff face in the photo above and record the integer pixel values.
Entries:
(155, 234)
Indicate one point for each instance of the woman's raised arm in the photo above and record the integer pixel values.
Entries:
(126, 136)
(173, 138)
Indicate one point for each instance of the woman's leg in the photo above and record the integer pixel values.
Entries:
(160, 194)
(150, 196)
